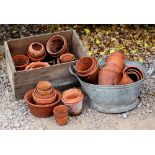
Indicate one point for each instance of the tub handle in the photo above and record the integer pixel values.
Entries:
(150, 71)
(72, 70)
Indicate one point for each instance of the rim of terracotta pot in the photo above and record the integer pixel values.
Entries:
(36, 59)
(70, 57)
(16, 57)
(87, 71)
(44, 85)
(72, 96)
(62, 50)
(31, 47)
(61, 110)
(136, 69)
(42, 106)
(33, 65)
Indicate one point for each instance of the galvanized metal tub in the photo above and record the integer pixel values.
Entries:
(114, 99)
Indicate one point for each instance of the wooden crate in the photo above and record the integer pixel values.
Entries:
(59, 75)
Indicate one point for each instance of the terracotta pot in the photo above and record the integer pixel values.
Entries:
(109, 77)
(33, 59)
(73, 98)
(61, 114)
(115, 60)
(85, 65)
(119, 54)
(36, 50)
(67, 57)
(93, 76)
(38, 64)
(135, 69)
(20, 61)
(125, 80)
(41, 110)
(44, 93)
(56, 46)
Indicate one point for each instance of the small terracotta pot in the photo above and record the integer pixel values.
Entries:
(20, 62)
(67, 57)
(125, 80)
(41, 110)
(44, 93)
(38, 64)
(85, 65)
(33, 59)
(56, 46)
(73, 98)
(61, 114)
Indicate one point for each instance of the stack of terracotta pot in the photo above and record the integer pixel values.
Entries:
(112, 72)
(115, 73)
(87, 68)
(42, 99)
(56, 47)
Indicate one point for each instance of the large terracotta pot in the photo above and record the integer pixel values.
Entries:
(67, 57)
(109, 77)
(61, 114)
(41, 110)
(36, 50)
(56, 46)
(73, 98)
(44, 93)
(38, 64)
(20, 62)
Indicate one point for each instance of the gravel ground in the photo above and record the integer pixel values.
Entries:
(16, 115)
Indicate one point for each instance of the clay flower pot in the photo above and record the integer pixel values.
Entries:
(38, 64)
(41, 110)
(56, 46)
(109, 77)
(119, 54)
(20, 61)
(137, 71)
(67, 57)
(93, 76)
(125, 80)
(44, 93)
(36, 50)
(33, 59)
(73, 98)
(61, 114)
(84, 65)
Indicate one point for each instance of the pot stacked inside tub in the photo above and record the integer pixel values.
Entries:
(114, 72)
(56, 51)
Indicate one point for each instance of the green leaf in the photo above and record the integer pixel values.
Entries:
(87, 31)
(98, 41)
